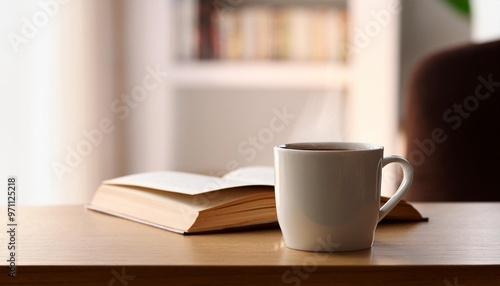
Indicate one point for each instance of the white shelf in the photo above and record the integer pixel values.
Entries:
(260, 75)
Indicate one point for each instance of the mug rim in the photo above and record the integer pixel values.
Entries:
(349, 146)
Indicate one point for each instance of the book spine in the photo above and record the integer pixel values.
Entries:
(249, 33)
(265, 31)
(205, 28)
(300, 34)
(333, 35)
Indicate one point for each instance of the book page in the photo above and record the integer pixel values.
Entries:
(258, 175)
(178, 182)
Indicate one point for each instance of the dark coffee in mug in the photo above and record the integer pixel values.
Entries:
(315, 147)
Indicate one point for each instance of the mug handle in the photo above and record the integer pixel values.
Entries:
(402, 189)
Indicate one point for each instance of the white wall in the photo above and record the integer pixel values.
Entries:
(63, 118)
(219, 130)
(148, 140)
(59, 65)
(426, 26)
(373, 92)
(485, 22)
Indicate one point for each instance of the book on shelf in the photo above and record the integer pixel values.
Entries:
(260, 31)
(192, 203)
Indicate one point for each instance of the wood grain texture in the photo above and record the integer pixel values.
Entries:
(460, 242)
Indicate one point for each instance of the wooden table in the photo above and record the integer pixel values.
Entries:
(460, 245)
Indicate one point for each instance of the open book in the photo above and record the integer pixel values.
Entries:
(191, 203)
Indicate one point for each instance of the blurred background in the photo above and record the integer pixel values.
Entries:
(96, 89)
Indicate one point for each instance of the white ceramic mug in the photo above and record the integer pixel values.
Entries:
(328, 194)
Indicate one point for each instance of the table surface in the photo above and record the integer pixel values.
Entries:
(460, 243)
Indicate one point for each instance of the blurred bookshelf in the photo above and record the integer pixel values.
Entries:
(260, 44)
(261, 32)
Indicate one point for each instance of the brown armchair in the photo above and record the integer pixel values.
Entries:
(453, 125)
